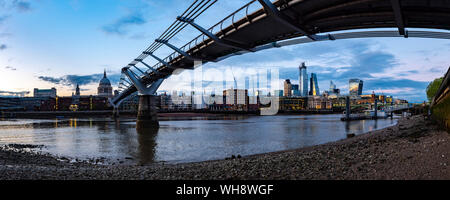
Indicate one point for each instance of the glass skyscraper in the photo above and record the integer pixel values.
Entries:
(355, 87)
(314, 85)
(332, 86)
(295, 90)
(303, 81)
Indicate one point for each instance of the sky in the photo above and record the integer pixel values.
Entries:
(54, 43)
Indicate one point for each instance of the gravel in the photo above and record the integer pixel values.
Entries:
(413, 149)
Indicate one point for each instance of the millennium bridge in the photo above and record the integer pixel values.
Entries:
(273, 25)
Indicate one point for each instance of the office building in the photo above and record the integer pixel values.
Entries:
(278, 93)
(303, 81)
(314, 86)
(355, 87)
(295, 90)
(319, 103)
(44, 92)
(247, 83)
(287, 88)
(236, 99)
(333, 89)
(293, 103)
(269, 80)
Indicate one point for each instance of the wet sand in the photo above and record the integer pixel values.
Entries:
(413, 149)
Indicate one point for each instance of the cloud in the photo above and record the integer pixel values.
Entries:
(73, 80)
(21, 6)
(50, 79)
(5, 35)
(18, 5)
(10, 68)
(3, 47)
(14, 94)
(120, 27)
(3, 18)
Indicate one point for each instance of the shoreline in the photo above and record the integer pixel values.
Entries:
(415, 148)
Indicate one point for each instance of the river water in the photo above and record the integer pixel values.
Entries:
(181, 140)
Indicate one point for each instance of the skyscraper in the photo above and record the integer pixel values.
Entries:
(355, 87)
(295, 90)
(257, 81)
(303, 81)
(269, 79)
(333, 89)
(314, 85)
(247, 83)
(332, 86)
(287, 88)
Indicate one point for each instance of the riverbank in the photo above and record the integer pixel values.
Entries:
(413, 149)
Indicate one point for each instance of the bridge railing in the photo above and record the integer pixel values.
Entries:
(217, 29)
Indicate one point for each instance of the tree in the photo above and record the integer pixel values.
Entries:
(433, 87)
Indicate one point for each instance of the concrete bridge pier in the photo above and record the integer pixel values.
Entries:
(147, 116)
(347, 108)
(116, 112)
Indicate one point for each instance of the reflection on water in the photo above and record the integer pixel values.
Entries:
(147, 145)
(181, 140)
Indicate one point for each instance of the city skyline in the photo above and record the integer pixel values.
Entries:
(110, 38)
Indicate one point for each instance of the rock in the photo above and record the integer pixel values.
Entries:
(350, 135)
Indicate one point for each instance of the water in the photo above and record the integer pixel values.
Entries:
(187, 140)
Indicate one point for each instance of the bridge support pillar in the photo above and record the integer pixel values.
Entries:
(115, 112)
(147, 116)
(347, 108)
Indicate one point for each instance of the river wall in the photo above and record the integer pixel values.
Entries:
(441, 112)
(440, 107)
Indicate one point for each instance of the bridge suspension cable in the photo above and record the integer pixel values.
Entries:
(197, 8)
(194, 10)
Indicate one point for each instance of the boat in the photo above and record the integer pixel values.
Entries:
(366, 114)
(371, 114)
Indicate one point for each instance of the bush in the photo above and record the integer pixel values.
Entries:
(433, 87)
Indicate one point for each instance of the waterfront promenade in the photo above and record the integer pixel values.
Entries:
(415, 148)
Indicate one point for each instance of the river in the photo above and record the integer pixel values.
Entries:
(180, 140)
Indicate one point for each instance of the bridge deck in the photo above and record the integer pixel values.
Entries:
(312, 16)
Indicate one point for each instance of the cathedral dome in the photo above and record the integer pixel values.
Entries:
(105, 81)
(104, 89)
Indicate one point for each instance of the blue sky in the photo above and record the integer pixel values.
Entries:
(54, 43)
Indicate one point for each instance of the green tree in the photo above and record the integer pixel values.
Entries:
(433, 87)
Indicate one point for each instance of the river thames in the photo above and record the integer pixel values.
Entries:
(183, 140)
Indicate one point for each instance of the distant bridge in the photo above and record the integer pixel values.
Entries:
(278, 24)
